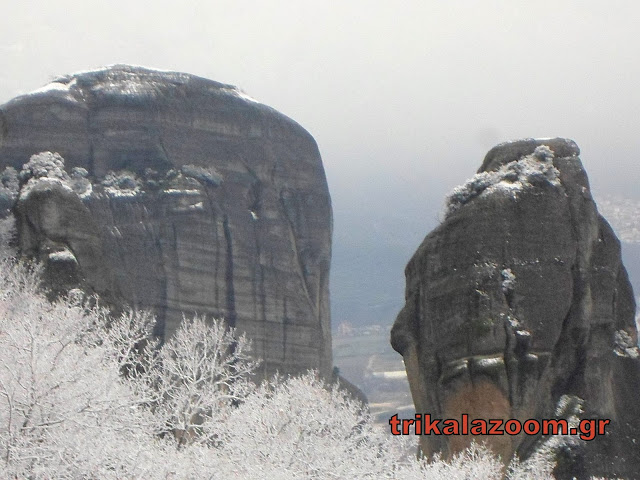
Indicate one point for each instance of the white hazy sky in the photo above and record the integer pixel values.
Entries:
(404, 91)
(403, 97)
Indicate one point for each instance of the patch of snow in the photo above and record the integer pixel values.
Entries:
(86, 193)
(115, 192)
(50, 87)
(113, 66)
(624, 345)
(181, 192)
(254, 215)
(57, 87)
(126, 87)
(489, 362)
(27, 188)
(568, 405)
(508, 280)
(121, 184)
(195, 207)
(65, 255)
(511, 178)
(236, 92)
(514, 323)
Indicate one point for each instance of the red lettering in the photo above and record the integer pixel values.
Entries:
(601, 425)
(451, 427)
(478, 426)
(587, 429)
(495, 427)
(430, 425)
(556, 427)
(394, 422)
(424, 425)
(512, 427)
(528, 427)
(406, 423)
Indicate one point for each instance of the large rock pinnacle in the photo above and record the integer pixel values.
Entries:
(518, 306)
(178, 194)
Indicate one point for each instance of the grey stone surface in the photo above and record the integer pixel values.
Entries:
(517, 304)
(197, 198)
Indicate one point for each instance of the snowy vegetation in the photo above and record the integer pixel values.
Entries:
(531, 170)
(9, 186)
(624, 345)
(50, 168)
(47, 167)
(86, 395)
(121, 184)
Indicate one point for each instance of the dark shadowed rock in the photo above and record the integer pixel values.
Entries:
(518, 306)
(179, 194)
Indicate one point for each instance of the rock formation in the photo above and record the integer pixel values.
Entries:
(518, 306)
(178, 194)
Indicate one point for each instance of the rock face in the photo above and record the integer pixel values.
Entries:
(518, 306)
(178, 194)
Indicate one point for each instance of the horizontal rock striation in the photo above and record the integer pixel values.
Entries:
(518, 306)
(179, 194)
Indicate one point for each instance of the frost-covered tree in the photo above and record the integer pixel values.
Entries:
(60, 393)
(199, 373)
(84, 395)
(319, 431)
(49, 167)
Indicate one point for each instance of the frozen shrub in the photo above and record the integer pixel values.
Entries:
(202, 370)
(9, 180)
(309, 429)
(543, 153)
(44, 165)
(49, 167)
(471, 189)
(7, 237)
(79, 181)
(121, 184)
(9, 187)
(529, 171)
(81, 397)
(64, 410)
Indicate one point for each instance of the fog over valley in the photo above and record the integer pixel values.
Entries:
(403, 100)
